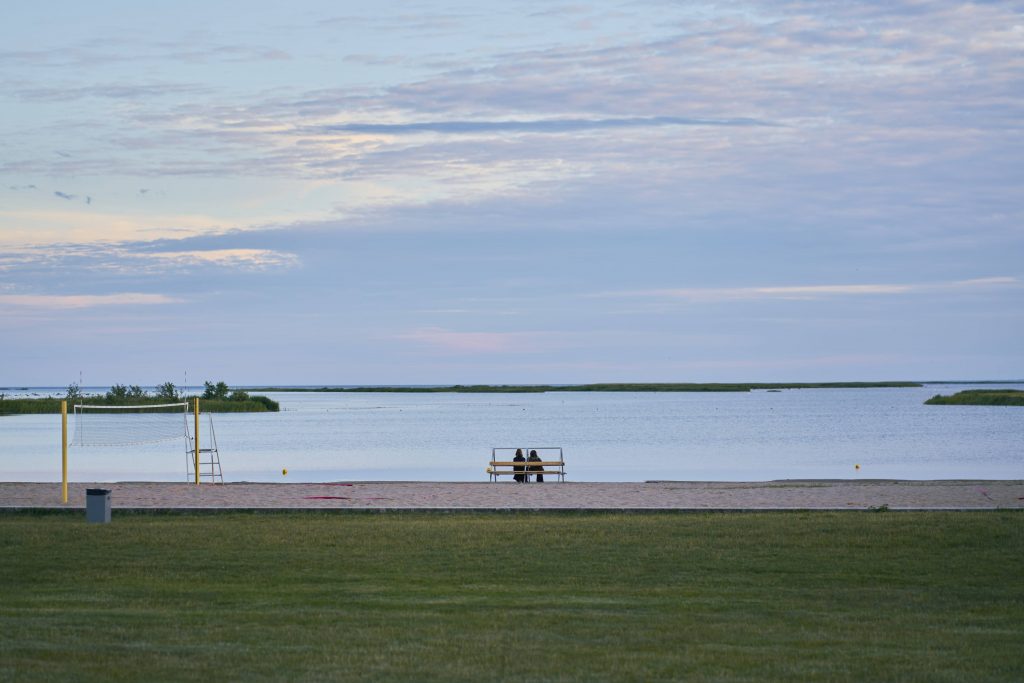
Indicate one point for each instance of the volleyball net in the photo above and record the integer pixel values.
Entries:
(129, 425)
(132, 425)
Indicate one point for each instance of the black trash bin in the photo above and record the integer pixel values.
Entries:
(97, 505)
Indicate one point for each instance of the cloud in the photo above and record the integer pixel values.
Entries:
(984, 282)
(409, 23)
(223, 53)
(535, 126)
(485, 342)
(138, 259)
(793, 363)
(76, 301)
(95, 54)
(57, 228)
(814, 292)
(111, 91)
(838, 98)
(71, 197)
(797, 115)
(247, 259)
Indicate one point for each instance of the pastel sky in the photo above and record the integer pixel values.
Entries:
(515, 192)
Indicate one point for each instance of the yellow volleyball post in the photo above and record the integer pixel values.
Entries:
(64, 451)
(197, 442)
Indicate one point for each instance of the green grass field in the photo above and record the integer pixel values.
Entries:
(814, 596)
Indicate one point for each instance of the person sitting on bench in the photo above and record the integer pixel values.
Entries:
(519, 469)
(536, 468)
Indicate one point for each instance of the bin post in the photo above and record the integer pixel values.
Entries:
(97, 506)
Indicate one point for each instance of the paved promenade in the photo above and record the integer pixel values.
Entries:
(773, 495)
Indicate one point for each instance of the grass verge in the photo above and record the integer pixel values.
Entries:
(588, 597)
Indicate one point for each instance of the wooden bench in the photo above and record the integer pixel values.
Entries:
(551, 464)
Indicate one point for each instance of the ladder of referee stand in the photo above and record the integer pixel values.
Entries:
(209, 458)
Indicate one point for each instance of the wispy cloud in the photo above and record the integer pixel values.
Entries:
(484, 342)
(536, 126)
(814, 292)
(985, 281)
(248, 259)
(112, 91)
(136, 259)
(226, 53)
(93, 54)
(73, 301)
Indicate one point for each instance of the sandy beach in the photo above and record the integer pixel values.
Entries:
(458, 496)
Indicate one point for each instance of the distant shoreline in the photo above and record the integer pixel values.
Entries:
(545, 388)
(46, 391)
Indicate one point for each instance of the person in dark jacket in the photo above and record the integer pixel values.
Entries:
(519, 470)
(536, 468)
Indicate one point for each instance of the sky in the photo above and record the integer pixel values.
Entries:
(515, 192)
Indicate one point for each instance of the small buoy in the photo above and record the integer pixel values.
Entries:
(285, 472)
(856, 467)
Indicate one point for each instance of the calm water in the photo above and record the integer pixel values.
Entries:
(807, 433)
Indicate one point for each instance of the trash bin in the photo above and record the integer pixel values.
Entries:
(97, 505)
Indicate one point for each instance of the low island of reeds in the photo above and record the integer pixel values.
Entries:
(980, 397)
(216, 398)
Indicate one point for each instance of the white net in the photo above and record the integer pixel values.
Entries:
(129, 425)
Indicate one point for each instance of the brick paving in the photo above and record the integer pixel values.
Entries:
(663, 495)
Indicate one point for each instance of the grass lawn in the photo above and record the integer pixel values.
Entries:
(532, 597)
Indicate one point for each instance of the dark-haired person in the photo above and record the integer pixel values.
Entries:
(535, 468)
(519, 470)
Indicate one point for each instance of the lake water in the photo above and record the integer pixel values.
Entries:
(761, 435)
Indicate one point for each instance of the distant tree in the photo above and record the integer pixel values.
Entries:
(74, 392)
(239, 395)
(136, 392)
(215, 391)
(167, 391)
(118, 392)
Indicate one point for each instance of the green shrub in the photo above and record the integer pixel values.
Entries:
(268, 403)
